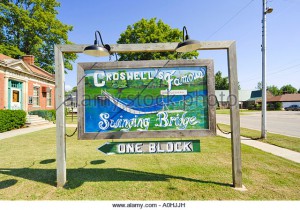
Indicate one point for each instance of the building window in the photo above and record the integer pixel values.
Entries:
(49, 97)
(30, 100)
(36, 96)
(15, 84)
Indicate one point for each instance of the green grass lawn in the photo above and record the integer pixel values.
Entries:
(242, 111)
(70, 120)
(28, 172)
(288, 142)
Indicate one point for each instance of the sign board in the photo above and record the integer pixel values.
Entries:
(146, 99)
(153, 147)
(229, 46)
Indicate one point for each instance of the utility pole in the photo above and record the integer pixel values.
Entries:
(266, 10)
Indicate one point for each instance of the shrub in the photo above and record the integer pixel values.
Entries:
(275, 106)
(257, 106)
(278, 105)
(11, 119)
(46, 114)
(251, 107)
(270, 106)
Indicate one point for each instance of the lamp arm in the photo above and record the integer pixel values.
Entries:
(99, 36)
(186, 37)
(184, 29)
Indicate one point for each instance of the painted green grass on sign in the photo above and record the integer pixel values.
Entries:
(92, 92)
(28, 172)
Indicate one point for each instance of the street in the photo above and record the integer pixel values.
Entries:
(280, 122)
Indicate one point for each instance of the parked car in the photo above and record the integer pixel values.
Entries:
(292, 108)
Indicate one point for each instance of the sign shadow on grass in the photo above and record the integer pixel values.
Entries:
(47, 161)
(76, 177)
(7, 183)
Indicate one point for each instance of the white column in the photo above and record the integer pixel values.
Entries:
(25, 96)
(5, 92)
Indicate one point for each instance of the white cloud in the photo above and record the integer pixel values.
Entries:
(68, 87)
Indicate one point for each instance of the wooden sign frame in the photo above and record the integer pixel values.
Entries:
(228, 46)
(139, 66)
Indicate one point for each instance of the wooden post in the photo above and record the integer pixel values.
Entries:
(234, 117)
(60, 118)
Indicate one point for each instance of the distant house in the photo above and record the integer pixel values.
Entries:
(71, 102)
(246, 98)
(23, 85)
(286, 99)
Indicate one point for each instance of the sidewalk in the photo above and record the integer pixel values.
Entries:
(29, 129)
(278, 151)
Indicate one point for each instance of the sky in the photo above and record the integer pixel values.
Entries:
(205, 20)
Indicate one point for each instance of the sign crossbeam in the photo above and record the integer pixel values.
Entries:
(229, 46)
(155, 47)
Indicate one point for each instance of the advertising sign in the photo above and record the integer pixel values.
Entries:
(146, 99)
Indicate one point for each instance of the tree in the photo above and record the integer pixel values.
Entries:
(119, 84)
(31, 27)
(220, 82)
(11, 51)
(299, 90)
(288, 89)
(259, 86)
(151, 31)
(274, 90)
(74, 89)
(147, 82)
(89, 81)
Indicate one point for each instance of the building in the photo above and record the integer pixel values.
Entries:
(23, 85)
(223, 97)
(286, 99)
(71, 102)
(246, 99)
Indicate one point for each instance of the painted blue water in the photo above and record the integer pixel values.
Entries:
(94, 107)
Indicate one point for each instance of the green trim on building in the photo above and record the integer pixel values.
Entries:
(18, 85)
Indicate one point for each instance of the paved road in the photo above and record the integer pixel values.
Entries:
(281, 122)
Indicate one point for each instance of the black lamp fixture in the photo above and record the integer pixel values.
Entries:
(268, 10)
(96, 49)
(187, 45)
